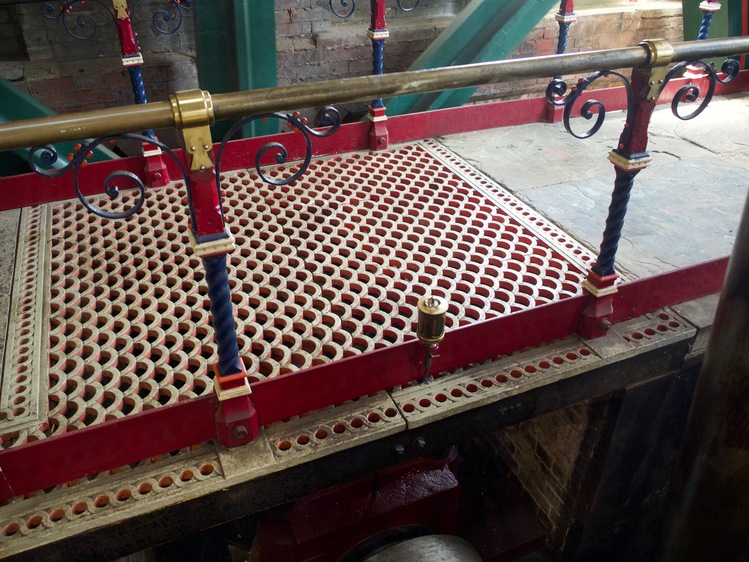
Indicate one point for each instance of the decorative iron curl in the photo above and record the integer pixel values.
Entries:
(557, 90)
(47, 155)
(348, 12)
(349, 7)
(412, 8)
(326, 117)
(83, 21)
(691, 92)
(162, 18)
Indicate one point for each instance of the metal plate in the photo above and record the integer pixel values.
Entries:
(330, 266)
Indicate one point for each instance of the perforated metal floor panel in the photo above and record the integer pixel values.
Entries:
(112, 318)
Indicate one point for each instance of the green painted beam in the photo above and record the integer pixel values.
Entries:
(236, 45)
(16, 104)
(484, 30)
(738, 22)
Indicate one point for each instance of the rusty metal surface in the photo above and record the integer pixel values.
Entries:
(111, 319)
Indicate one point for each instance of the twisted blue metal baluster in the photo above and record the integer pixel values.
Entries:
(565, 10)
(378, 66)
(614, 222)
(139, 91)
(219, 294)
(707, 18)
(564, 31)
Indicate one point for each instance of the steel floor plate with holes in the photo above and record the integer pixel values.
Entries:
(111, 318)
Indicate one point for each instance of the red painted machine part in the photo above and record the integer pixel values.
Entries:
(327, 525)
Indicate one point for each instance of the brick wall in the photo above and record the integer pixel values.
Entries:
(71, 75)
(313, 44)
(12, 38)
(553, 458)
(606, 28)
(68, 74)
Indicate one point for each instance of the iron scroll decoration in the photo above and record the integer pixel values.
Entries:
(558, 95)
(85, 23)
(557, 90)
(162, 15)
(348, 7)
(86, 26)
(328, 117)
(48, 155)
(691, 93)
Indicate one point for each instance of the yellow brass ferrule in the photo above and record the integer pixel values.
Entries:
(660, 55)
(120, 9)
(193, 114)
(192, 108)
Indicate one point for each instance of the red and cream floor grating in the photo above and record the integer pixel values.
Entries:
(111, 318)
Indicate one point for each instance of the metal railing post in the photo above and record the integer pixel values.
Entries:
(565, 17)
(629, 158)
(236, 418)
(378, 33)
(708, 7)
(157, 174)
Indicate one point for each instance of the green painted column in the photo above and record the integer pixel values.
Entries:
(738, 23)
(236, 45)
(484, 30)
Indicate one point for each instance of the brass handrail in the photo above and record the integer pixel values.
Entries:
(103, 122)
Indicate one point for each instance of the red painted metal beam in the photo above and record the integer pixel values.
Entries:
(666, 289)
(315, 388)
(92, 450)
(113, 444)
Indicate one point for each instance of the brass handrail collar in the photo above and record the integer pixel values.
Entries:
(660, 52)
(192, 108)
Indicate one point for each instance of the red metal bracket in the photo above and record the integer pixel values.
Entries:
(596, 317)
(379, 139)
(155, 170)
(236, 418)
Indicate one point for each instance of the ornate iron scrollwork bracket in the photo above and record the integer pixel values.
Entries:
(113, 183)
(558, 94)
(691, 92)
(327, 117)
(116, 181)
(85, 23)
(169, 20)
(348, 7)
(164, 20)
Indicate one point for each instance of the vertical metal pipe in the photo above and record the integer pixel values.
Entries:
(565, 17)
(711, 509)
(629, 157)
(130, 51)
